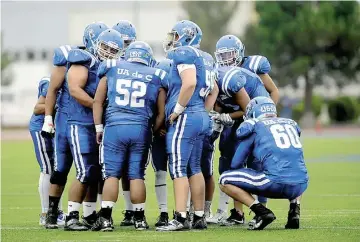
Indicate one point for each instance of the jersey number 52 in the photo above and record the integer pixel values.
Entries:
(135, 98)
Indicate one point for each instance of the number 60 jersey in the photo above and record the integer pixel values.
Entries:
(132, 90)
(275, 143)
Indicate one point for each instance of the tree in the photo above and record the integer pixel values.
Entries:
(5, 62)
(212, 17)
(309, 39)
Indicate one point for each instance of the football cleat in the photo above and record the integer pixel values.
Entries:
(263, 217)
(51, 219)
(61, 218)
(177, 224)
(293, 221)
(217, 218)
(90, 220)
(141, 224)
(73, 224)
(103, 224)
(128, 218)
(163, 220)
(199, 222)
(235, 218)
(42, 220)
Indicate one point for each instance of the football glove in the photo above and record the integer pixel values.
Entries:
(48, 129)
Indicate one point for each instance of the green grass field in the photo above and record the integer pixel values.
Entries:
(330, 206)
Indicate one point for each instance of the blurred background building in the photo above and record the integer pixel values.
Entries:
(31, 30)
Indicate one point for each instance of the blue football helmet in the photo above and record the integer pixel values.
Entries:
(260, 107)
(91, 33)
(140, 52)
(109, 45)
(229, 51)
(184, 33)
(164, 65)
(127, 31)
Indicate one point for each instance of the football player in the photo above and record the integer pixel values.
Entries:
(44, 151)
(128, 32)
(275, 143)
(82, 81)
(132, 87)
(230, 52)
(63, 156)
(188, 120)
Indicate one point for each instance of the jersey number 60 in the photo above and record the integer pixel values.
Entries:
(285, 136)
(134, 98)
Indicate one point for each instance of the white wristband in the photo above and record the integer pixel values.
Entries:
(99, 128)
(178, 109)
(48, 119)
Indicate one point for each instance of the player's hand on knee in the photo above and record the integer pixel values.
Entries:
(225, 119)
(48, 128)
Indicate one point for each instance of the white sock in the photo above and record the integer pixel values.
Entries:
(188, 203)
(255, 202)
(183, 214)
(161, 190)
(223, 201)
(208, 207)
(44, 186)
(88, 208)
(199, 213)
(99, 199)
(107, 204)
(139, 207)
(128, 204)
(73, 206)
(295, 201)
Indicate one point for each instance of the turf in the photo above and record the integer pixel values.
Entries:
(330, 206)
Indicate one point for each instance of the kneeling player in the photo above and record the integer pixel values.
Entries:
(275, 143)
(133, 89)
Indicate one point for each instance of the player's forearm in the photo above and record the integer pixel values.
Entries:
(81, 96)
(211, 98)
(98, 110)
(186, 92)
(275, 95)
(39, 109)
(236, 115)
(159, 122)
(50, 102)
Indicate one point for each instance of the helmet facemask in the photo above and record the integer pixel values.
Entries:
(108, 50)
(171, 41)
(228, 57)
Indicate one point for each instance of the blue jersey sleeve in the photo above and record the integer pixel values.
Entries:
(81, 57)
(185, 55)
(261, 65)
(43, 87)
(60, 56)
(246, 129)
(163, 78)
(103, 68)
(242, 152)
(233, 82)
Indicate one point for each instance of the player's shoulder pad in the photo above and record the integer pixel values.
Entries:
(259, 64)
(185, 55)
(246, 128)
(61, 55)
(232, 80)
(81, 57)
(105, 66)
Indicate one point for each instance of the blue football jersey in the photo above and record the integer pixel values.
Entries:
(276, 144)
(205, 77)
(257, 64)
(60, 58)
(254, 85)
(132, 91)
(230, 80)
(77, 113)
(37, 121)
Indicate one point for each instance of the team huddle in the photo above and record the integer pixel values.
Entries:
(110, 108)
